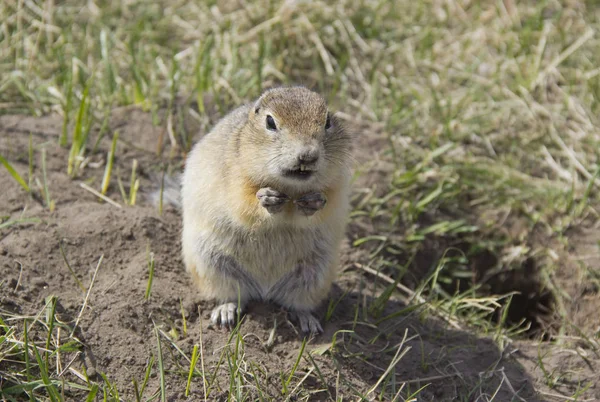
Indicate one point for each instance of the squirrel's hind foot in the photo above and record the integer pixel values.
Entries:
(224, 315)
(309, 324)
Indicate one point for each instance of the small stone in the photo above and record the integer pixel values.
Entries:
(91, 372)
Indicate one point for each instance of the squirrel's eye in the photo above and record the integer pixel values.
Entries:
(328, 122)
(271, 123)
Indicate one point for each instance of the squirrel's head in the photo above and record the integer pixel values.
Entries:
(295, 140)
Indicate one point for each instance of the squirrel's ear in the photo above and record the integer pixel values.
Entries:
(255, 108)
(257, 105)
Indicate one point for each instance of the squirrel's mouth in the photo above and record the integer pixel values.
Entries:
(298, 174)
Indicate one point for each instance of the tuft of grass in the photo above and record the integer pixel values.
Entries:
(29, 359)
(110, 390)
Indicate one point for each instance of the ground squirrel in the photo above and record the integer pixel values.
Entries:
(265, 198)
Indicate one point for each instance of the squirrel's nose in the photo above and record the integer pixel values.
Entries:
(309, 156)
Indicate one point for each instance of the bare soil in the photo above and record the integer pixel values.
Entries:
(117, 328)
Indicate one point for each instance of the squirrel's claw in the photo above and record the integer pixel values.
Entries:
(309, 324)
(310, 203)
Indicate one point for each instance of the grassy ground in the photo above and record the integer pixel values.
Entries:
(478, 125)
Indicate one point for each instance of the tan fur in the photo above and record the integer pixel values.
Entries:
(229, 165)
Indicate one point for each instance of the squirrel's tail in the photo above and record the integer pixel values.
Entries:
(169, 192)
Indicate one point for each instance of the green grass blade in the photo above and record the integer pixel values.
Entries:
(192, 368)
(122, 189)
(92, 395)
(14, 174)
(161, 193)
(588, 190)
(289, 379)
(12, 222)
(52, 391)
(64, 256)
(109, 164)
(132, 182)
(103, 128)
(63, 140)
(26, 351)
(183, 319)
(30, 154)
(49, 202)
(147, 375)
(134, 191)
(136, 390)
(161, 367)
(76, 144)
(151, 264)
(50, 316)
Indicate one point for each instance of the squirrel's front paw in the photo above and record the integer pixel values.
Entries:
(271, 199)
(310, 203)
